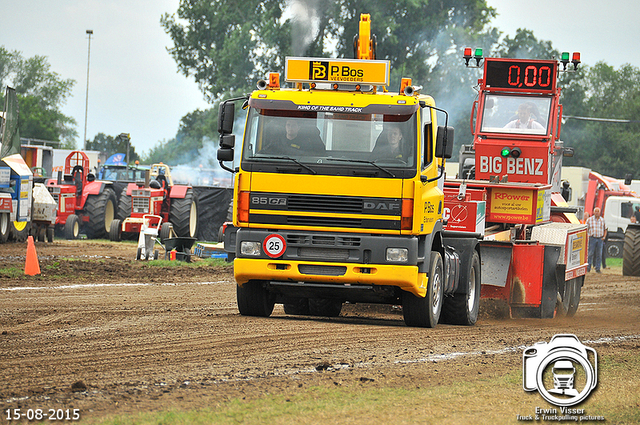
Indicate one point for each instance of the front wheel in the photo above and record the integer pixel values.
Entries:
(165, 231)
(254, 299)
(115, 231)
(425, 311)
(462, 309)
(72, 227)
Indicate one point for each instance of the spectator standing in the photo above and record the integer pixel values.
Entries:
(597, 232)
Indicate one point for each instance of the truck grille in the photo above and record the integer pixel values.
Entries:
(325, 240)
(322, 270)
(324, 254)
(286, 208)
(140, 205)
(331, 204)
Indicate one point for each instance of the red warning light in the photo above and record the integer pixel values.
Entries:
(467, 52)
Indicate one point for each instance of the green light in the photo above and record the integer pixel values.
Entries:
(565, 56)
(478, 53)
(505, 152)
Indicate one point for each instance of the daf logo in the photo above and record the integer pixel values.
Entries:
(382, 206)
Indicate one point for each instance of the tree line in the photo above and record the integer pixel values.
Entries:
(226, 46)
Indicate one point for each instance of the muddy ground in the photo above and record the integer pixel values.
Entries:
(102, 333)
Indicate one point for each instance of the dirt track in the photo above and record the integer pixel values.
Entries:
(122, 336)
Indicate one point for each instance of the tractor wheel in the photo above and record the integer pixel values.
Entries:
(20, 230)
(296, 305)
(324, 307)
(184, 215)
(124, 206)
(462, 309)
(4, 227)
(165, 231)
(115, 231)
(631, 251)
(254, 299)
(101, 211)
(50, 233)
(425, 311)
(614, 249)
(72, 227)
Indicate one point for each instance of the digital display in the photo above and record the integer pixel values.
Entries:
(516, 74)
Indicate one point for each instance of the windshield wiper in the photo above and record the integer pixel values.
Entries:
(311, 170)
(363, 162)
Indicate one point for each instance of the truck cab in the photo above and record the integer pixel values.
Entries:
(338, 195)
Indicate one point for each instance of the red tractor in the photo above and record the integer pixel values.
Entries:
(84, 203)
(176, 204)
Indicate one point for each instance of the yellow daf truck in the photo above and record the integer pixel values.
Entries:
(338, 196)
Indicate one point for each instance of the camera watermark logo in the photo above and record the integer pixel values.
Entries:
(561, 370)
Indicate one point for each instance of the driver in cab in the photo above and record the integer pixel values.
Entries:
(296, 140)
(390, 145)
(526, 119)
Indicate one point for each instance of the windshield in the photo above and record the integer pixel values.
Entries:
(316, 139)
(516, 114)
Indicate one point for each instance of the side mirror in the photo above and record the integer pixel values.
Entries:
(225, 154)
(226, 115)
(568, 152)
(444, 142)
(227, 141)
(628, 178)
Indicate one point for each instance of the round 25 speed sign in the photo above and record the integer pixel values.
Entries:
(274, 245)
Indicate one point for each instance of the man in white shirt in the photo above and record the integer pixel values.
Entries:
(525, 120)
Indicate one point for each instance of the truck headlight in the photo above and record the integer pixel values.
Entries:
(250, 248)
(398, 255)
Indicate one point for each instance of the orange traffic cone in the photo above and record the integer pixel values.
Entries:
(31, 266)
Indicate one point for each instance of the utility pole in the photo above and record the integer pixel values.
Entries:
(86, 104)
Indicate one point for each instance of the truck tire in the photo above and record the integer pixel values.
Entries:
(324, 307)
(20, 230)
(4, 227)
(614, 249)
(462, 309)
(115, 231)
(72, 227)
(184, 215)
(424, 312)
(631, 251)
(101, 211)
(254, 299)
(297, 306)
(124, 206)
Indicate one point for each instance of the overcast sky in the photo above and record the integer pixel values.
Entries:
(134, 86)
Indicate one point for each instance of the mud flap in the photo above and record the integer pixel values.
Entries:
(464, 247)
(548, 290)
(549, 282)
